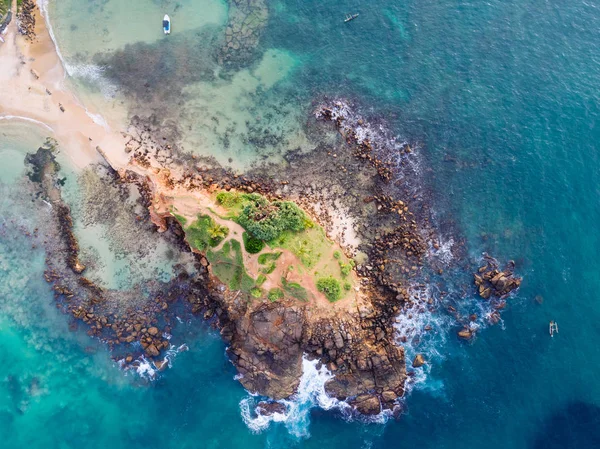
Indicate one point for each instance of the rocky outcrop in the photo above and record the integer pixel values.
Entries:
(269, 340)
(26, 18)
(418, 361)
(491, 281)
(268, 408)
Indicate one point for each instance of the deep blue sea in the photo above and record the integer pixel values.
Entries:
(502, 98)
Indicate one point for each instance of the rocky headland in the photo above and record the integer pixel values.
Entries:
(336, 303)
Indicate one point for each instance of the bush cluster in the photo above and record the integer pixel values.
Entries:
(266, 220)
(252, 245)
(330, 287)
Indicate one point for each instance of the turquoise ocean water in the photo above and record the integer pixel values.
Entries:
(502, 98)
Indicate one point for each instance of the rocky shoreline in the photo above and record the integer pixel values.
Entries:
(267, 341)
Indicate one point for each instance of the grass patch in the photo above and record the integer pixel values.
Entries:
(252, 245)
(294, 290)
(260, 280)
(228, 266)
(347, 286)
(4, 7)
(181, 219)
(275, 294)
(232, 201)
(308, 246)
(256, 292)
(205, 232)
(264, 258)
(269, 269)
(330, 287)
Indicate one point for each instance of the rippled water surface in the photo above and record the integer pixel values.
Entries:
(502, 98)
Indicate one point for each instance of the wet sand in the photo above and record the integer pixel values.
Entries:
(33, 89)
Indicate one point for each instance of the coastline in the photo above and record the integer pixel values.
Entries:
(268, 342)
(33, 80)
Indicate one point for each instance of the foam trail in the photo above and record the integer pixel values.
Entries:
(97, 119)
(89, 72)
(26, 119)
(43, 6)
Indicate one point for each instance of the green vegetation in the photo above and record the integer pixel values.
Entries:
(260, 280)
(182, 220)
(267, 220)
(275, 294)
(294, 290)
(4, 8)
(346, 268)
(264, 219)
(228, 266)
(330, 287)
(281, 225)
(205, 232)
(229, 200)
(252, 245)
(268, 257)
(269, 269)
(308, 246)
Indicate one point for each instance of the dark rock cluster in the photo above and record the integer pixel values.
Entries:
(246, 21)
(491, 281)
(26, 18)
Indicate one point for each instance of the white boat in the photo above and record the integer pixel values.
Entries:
(167, 24)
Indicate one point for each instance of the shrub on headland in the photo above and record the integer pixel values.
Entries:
(330, 287)
(266, 220)
(252, 245)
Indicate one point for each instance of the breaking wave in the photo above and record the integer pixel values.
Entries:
(295, 414)
(148, 370)
(26, 119)
(91, 73)
(386, 145)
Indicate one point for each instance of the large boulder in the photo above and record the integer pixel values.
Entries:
(367, 404)
(418, 361)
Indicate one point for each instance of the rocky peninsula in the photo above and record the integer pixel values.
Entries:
(313, 258)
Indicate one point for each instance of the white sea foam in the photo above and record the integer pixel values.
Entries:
(444, 252)
(97, 119)
(145, 369)
(311, 393)
(89, 72)
(386, 145)
(148, 370)
(422, 328)
(26, 119)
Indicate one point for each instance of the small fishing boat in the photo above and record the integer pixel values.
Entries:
(553, 328)
(350, 17)
(167, 24)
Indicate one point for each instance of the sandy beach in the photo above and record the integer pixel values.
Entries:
(33, 89)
